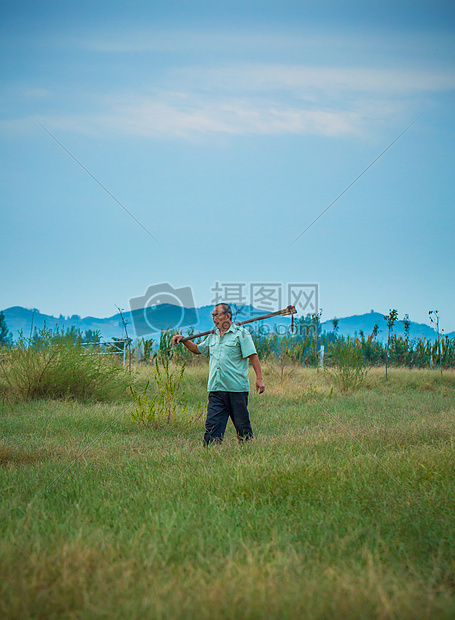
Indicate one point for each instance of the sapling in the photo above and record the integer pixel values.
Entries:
(407, 325)
(160, 408)
(435, 320)
(390, 318)
(316, 319)
(5, 335)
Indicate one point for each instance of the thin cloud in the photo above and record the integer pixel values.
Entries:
(398, 45)
(149, 118)
(260, 98)
(266, 99)
(303, 79)
(157, 119)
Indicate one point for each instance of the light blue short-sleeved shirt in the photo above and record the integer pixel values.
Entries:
(228, 359)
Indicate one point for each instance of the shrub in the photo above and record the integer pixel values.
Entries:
(348, 365)
(167, 404)
(161, 407)
(164, 349)
(53, 364)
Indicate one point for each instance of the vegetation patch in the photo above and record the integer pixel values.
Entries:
(54, 364)
(307, 520)
(11, 456)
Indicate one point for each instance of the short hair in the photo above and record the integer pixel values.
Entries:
(226, 308)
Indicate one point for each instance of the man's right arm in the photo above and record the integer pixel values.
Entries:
(189, 344)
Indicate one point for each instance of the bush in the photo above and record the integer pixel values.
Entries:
(348, 365)
(168, 404)
(53, 364)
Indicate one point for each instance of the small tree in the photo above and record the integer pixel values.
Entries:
(316, 319)
(5, 336)
(372, 349)
(92, 337)
(435, 320)
(407, 326)
(390, 318)
(147, 346)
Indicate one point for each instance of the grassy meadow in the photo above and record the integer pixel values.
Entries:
(343, 506)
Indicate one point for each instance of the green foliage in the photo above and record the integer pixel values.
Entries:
(53, 364)
(147, 349)
(406, 325)
(161, 407)
(390, 318)
(146, 411)
(434, 318)
(300, 347)
(5, 336)
(92, 337)
(448, 352)
(168, 379)
(399, 351)
(372, 350)
(165, 349)
(348, 369)
(289, 352)
(265, 345)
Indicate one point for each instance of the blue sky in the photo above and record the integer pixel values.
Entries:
(226, 128)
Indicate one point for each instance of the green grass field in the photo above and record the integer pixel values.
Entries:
(343, 506)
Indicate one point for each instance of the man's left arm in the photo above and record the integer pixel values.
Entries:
(260, 387)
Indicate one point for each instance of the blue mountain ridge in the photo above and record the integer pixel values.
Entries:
(352, 325)
(19, 319)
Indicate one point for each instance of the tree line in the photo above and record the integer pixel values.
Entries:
(303, 345)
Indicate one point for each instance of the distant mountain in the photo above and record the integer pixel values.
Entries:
(352, 325)
(147, 323)
(24, 320)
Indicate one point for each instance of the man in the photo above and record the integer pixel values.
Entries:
(228, 350)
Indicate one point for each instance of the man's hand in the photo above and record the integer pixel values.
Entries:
(260, 387)
(188, 344)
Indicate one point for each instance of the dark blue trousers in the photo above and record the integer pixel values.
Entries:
(221, 407)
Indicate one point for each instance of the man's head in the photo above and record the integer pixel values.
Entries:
(222, 316)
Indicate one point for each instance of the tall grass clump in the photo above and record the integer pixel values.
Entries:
(53, 364)
(163, 402)
(348, 369)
